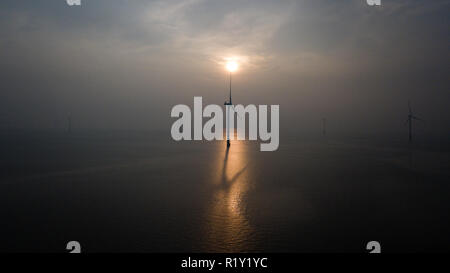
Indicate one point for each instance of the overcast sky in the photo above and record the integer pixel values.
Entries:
(124, 64)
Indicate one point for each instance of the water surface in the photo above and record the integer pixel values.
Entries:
(129, 191)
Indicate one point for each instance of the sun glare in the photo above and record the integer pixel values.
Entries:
(232, 66)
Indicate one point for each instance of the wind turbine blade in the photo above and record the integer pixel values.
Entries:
(409, 106)
(417, 118)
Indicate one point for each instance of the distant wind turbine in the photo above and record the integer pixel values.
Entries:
(410, 119)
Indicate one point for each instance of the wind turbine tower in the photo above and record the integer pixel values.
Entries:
(231, 67)
(410, 119)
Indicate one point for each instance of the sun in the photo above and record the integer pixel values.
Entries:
(232, 66)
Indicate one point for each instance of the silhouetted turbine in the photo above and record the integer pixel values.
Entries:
(410, 120)
(230, 103)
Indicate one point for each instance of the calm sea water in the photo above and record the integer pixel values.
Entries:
(133, 192)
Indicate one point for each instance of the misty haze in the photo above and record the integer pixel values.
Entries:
(87, 154)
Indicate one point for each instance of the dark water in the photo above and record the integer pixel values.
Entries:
(124, 191)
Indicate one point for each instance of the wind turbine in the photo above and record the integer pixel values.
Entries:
(410, 119)
(231, 67)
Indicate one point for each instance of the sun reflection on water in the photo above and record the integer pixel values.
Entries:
(227, 227)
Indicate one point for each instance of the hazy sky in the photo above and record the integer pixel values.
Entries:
(124, 64)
